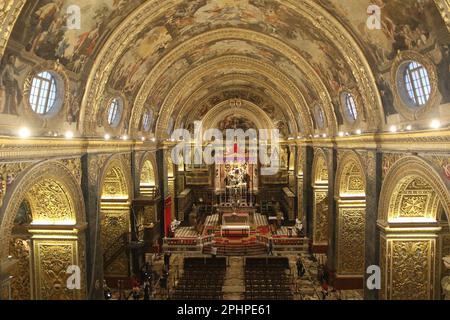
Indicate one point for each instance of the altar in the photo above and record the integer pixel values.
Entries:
(235, 224)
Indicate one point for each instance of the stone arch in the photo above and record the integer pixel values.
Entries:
(411, 233)
(115, 194)
(350, 186)
(52, 239)
(320, 202)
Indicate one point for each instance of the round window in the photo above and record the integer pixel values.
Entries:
(43, 93)
(416, 89)
(115, 112)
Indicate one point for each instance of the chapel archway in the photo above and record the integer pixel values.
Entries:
(43, 234)
(350, 228)
(115, 219)
(412, 199)
(320, 203)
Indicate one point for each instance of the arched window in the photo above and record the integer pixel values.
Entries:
(350, 106)
(147, 120)
(417, 83)
(320, 117)
(43, 93)
(115, 112)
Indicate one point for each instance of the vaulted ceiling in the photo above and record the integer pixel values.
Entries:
(182, 59)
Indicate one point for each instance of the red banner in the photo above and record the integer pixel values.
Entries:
(167, 215)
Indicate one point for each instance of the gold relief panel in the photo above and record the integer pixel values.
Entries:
(21, 281)
(351, 237)
(114, 184)
(384, 268)
(51, 260)
(413, 206)
(74, 166)
(389, 159)
(320, 217)
(8, 173)
(50, 203)
(411, 269)
(114, 230)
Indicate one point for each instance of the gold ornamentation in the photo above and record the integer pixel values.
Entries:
(320, 217)
(8, 173)
(351, 239)
(412, 270)
(52, 258)
(50, 203)
(398, 86)
(74, 166)
(20, 283)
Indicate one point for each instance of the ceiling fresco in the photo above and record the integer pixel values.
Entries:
(145, 49)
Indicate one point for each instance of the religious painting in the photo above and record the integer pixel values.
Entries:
(48, 36)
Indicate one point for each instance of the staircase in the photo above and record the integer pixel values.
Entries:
(234, 286)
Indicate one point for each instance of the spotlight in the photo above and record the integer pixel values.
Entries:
(125, 137)
(69, 135)
(153, 139)
(341, 134)
(107, 137)
(393, 129)
(409, 127)
(24, 133)
(435, 124)
(324, 135)
(359, 131)
(143, 139)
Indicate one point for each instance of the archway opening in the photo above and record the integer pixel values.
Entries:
(350, 228)
(115, 222)
(320, 204)
(414, 238)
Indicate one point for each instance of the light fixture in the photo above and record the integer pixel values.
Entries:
(143, 139)
(435, 124)
(409, 127)
(107, 137)
(341, 134)
(298, 137)
(324, 135)
(24, 133)
(69, 135)
(124, 137)
(393, 129)
(153, 139)
(359, 131)
(316, 136)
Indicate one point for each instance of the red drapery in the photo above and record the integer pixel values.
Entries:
(167, 215)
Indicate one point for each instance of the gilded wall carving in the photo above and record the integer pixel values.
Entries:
(74, 166)
(351, 239)
(96, 164)
(8, 173)
(115, 225)
(412, 270)
(50, 202)
(114, 184)
(321, 217)
(21, 281)
(384, 266)
(52, 257)
(389, 159)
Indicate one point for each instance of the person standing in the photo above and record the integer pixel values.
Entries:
(167, 261)
(270, 247)
(147, 290)
(300, 268)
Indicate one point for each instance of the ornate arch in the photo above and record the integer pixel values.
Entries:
(43, 175)
(9, 13)
(416, 180)
(150, 10)
(320, 172)
(243, 63)
(283, 102)
(115, 179)
(350, 177)
(148, 170)
(248, 109)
